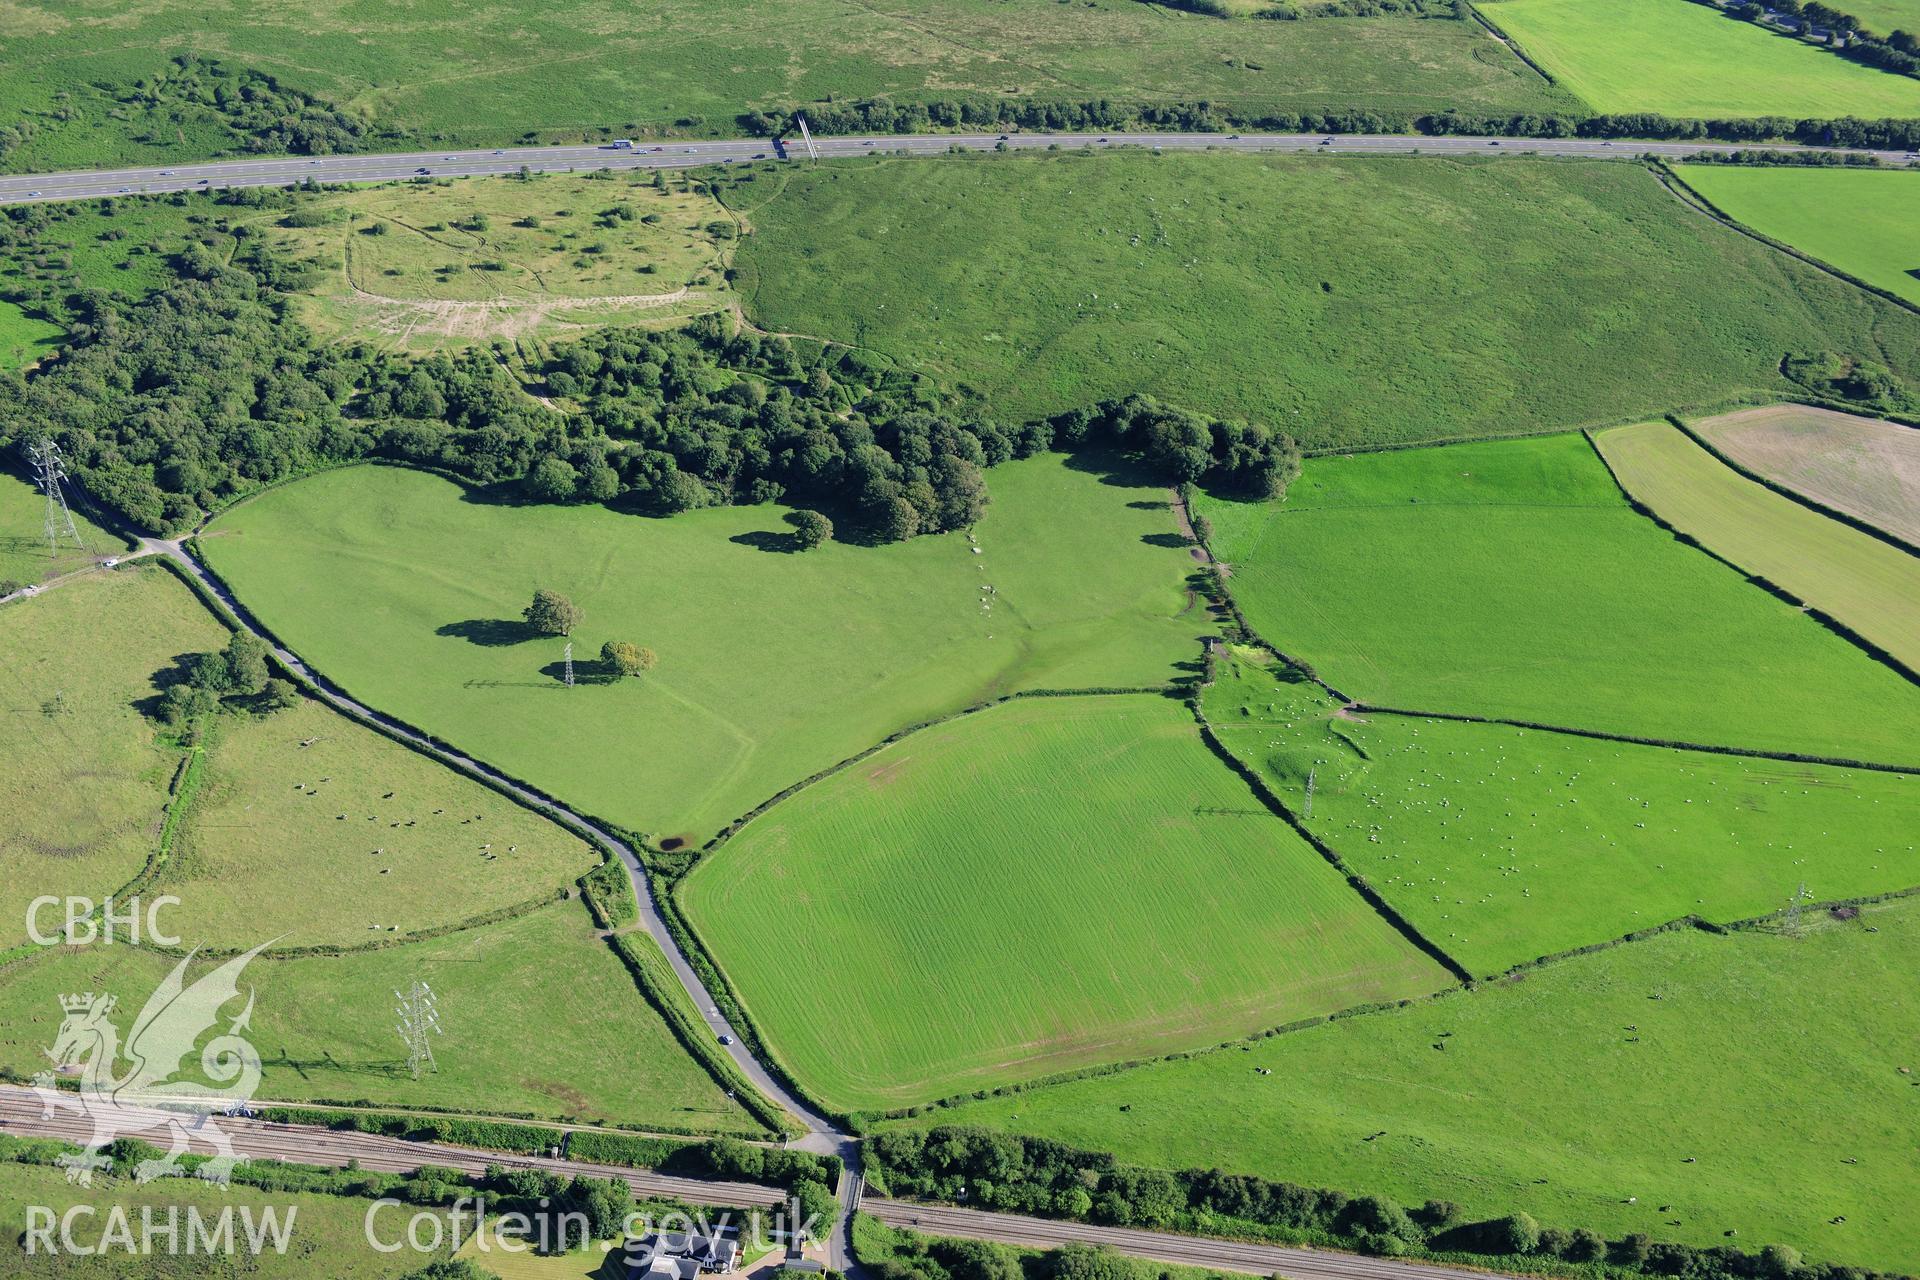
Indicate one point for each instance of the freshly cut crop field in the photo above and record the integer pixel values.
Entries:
(773, 666)
(86, 782)
(492, 72)
(1503, 845)
(1863, 221)
(308, 797)
(1865, 467)
(1504, 579)
(420, 265)
(1869, 586)
(1616, 1091)
(24, 555)
(1682, 59)
(1458, 298)
(329, 1227)
(968, 923)
(539, 1017)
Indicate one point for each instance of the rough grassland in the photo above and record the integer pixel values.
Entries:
(86, 783)
(772, 665)
(23, 545)
(306, 797)
(971, 919)
(25, 339)
(1644, 1071)
(1864, 467)
(1503, 845)
(1348, 301)
(482, 259)
(1884, 16)
(1682, 59)
(327, 1231)
(1511, 579)
(539, 1017)
(488, 72)
(1870, 587)
(1864, 222)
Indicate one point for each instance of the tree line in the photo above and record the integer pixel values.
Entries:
(169, 406)
(1203, 116)
(987, 1169)
(1847, 36)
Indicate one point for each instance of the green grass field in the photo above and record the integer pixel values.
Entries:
(86, 783)
(487, 73)
(1885, 16)
(307, 797)
(419, 265)
(1870, 587)
(1475, 298)
(772, 665)
(1683, 59)
(24, 555)
(1864, 222)
(25, 339)
(539, 1018)
(1503, 845)
(1629, 1090)
(970, 920)
(1866, 468)
(1511, 579)
(327, 1231)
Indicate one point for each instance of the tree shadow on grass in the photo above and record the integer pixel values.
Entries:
(493, 633)
(1173, 540)
(585, 671)
(768, 540)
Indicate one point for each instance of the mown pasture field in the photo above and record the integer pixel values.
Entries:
(306, 797)
(1867, 585)
(24, 554)
(1863, 467)
(1502, 845)
(1865, 222)
(491, 73)
(1621, 1091)
(1689, 60)
(87, 779)
(324, 1227)
(1155, 903)
(1522, 588)
(1455, 299)
(773, 665)
(539, 1017)
(419, 265)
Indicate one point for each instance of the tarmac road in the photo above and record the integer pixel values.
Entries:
(280, 171)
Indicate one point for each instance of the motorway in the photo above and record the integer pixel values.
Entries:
(281, 171)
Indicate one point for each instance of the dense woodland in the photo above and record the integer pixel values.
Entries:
(169, 406)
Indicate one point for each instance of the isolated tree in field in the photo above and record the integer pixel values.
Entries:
(628, 658)
(810, 529)
(246, 659)
(552, 614)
